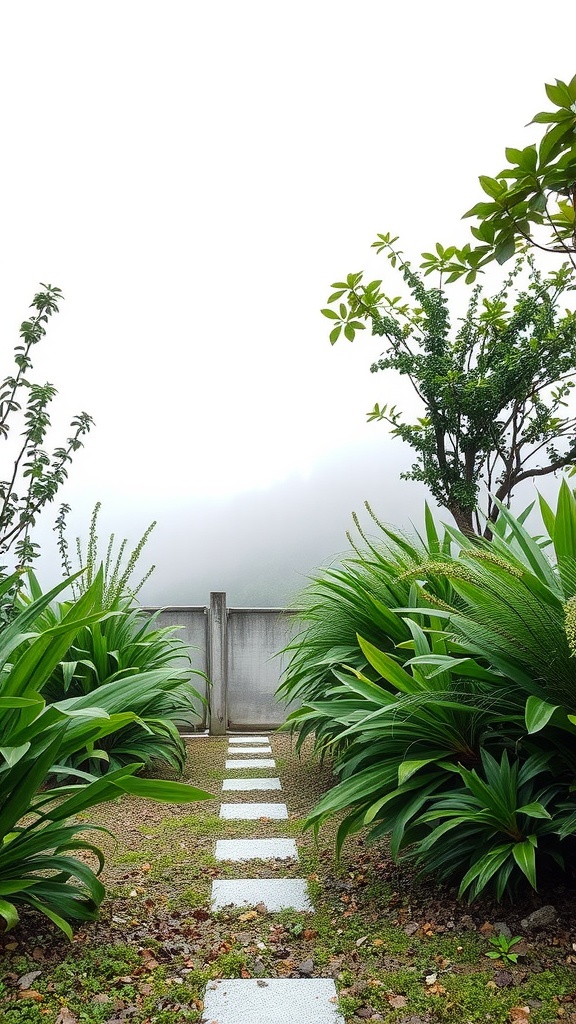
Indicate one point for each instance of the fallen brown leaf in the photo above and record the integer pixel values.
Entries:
(436, 989)
(519, 1014)
(397, 1002)
(66, 1017)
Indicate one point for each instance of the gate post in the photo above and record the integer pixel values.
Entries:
(218, 664)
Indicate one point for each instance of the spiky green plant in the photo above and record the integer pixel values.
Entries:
(118, 568)
(123, 661)
(39, 832)
(479, 701)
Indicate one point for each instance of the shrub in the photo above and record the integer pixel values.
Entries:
(124, 662)
(38, 835)
(458, 743)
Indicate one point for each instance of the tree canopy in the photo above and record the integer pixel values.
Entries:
(530, 203)
(494, 389)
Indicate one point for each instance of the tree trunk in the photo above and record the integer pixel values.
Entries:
(464, 518)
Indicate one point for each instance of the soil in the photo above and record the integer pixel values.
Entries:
(378, 930)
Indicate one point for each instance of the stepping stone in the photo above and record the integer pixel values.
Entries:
(248, 739)
(234, 751)
(272, 1001)
(274, 893)
(252, 812)
(242, 785)
(252, 849)
(250, 762)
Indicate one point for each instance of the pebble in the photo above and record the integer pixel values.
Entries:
(467, 923)
(26, 980)
(540, 918)
(306, 968)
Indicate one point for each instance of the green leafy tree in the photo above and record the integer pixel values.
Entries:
(530, 203)
(494, 390)
(32, 476)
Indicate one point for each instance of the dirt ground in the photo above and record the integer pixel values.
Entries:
(400, 949)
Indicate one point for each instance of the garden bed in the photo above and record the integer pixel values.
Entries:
(400, 950)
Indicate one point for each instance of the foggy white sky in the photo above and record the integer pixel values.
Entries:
(194, 176)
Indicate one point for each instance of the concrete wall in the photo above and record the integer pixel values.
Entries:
(238, 649)
(255, 637)
(193, 630)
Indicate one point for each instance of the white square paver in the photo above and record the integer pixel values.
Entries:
(256, 849)
(272, 1001)
(244, 785)
(252, 812)
(248, 739)
(275, 893)
(235, 751)
(250, 762)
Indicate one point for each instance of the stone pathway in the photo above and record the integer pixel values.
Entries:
(261, 1000)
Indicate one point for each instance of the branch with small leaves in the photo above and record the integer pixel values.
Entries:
(530, 204)
(495, 391)
(35, 475)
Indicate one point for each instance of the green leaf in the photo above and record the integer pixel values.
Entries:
(525, 856)
(493, 188)
(330, 314)
(565, 524)
(335, 334)
(388, 668)
(159, 789)
(559, 94)
(9, 914)
(538, 713)
(534, 810)
(548, 517)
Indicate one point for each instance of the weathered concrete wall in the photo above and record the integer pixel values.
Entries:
(193, 623)
(255, 636)
(238, 649)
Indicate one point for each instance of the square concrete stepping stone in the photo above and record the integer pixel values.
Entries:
(252, 812)
(235, 751)
(248, 739)
(243, 785)
(256, 849)
(250, 762)
(275, 893)
(272, 1001)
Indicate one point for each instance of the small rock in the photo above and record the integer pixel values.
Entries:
(411, 928)
(26, 980)
(501, 928)
(101, 997)
(503, 979)
(365, 1012)
(540, 918)
(306, 968)
(261, 908)
(258, 967)
(467, 924)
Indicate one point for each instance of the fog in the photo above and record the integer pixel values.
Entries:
(193, 176)
(261, 547)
